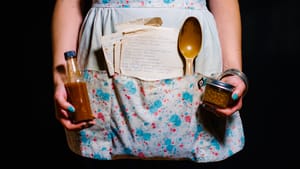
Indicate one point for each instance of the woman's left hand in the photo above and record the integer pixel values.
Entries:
(237, 95)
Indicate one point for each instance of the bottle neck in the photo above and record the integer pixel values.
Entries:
(73, 71)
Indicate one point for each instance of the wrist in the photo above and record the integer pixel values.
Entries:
(238, 73)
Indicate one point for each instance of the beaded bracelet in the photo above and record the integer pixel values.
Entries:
(238, 73)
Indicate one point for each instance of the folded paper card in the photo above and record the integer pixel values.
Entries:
(143, 51)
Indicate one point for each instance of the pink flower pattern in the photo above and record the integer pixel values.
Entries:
(153, 119)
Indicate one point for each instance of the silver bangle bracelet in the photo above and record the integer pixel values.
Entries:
(238, 73)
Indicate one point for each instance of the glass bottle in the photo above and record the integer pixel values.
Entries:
(77, 90)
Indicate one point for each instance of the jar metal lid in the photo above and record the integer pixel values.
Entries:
(220, 84)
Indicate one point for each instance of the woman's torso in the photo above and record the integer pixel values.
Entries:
(128, 110)
(105, 15)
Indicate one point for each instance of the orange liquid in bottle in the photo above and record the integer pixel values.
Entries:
(78, 96)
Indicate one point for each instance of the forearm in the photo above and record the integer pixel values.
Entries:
(227, 16)
(66, 21)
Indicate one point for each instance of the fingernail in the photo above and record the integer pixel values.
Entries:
(235, 96)
(71, 109)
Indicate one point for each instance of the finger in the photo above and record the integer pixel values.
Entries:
(72, 126)
(235, 95)
(60, 97)
(86, 125)
(240, 87)
(230, 110)
(64, 104)
(61, 113)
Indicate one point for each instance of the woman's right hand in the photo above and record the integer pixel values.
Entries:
(63, 108)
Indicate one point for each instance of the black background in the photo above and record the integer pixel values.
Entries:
(270, 51)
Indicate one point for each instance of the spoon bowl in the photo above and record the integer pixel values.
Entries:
(190, 42)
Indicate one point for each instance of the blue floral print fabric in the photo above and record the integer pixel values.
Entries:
(152, 119)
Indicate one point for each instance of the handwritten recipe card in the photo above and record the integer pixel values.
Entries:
(144, 52)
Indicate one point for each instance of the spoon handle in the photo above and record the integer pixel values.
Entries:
(189, 67)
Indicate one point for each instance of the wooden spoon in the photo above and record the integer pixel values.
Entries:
(190, 42)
